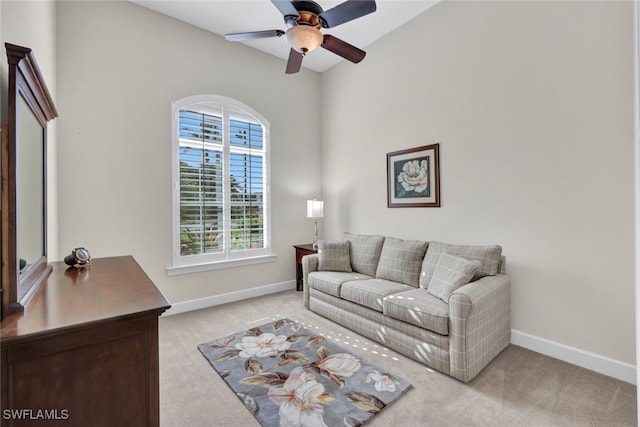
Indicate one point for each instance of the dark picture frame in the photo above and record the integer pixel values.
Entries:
(413, 177)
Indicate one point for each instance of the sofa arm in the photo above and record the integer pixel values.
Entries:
(309, 264)
(480, 324)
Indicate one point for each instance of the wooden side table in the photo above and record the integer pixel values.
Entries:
(301, 250)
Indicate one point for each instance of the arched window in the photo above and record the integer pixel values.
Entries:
(221, 184)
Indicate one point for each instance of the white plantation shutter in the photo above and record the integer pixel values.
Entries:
(201, 183)
(247, 184)
(222, 182)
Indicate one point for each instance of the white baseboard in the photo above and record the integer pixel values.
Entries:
(197, 304)
(595, 362)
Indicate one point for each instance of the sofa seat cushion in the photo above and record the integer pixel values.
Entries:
(370, 293)
(420, 308)
(330, 281)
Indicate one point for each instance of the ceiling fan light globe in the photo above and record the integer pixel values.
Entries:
(304, 38)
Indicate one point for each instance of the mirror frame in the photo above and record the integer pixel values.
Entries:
(26, 81)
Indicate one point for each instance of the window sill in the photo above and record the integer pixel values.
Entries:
(197, 268)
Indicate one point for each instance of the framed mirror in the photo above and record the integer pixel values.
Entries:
(24, 180)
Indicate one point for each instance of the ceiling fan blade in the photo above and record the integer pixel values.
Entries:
(342, 48)
(347, 11)
(294, 63)
(237, 37)
(286, 7)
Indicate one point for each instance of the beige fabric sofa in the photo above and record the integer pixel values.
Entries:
(446, 306)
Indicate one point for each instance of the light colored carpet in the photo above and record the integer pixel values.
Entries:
(519, 388)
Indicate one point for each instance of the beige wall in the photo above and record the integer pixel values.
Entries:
(119, 68)
(531, 103)
(32, 24)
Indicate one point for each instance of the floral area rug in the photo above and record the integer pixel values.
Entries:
(287, 375)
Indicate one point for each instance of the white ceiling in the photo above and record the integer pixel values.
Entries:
(235, 16)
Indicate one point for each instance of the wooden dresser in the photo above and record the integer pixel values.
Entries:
(85, 350)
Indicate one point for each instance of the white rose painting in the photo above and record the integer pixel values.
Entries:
(413, 177)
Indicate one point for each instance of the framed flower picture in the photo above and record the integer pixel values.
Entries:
(413, 177)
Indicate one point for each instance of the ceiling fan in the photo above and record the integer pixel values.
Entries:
(303, 19)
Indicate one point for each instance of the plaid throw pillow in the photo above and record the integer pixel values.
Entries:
(400, 260)
(450, 273)
(333, 256)
(488, 256)
(365, 252)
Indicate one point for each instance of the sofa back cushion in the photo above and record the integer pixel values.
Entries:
(489, 257)
(450, 273)
(364, 252)
(334, 256)
(401, 260)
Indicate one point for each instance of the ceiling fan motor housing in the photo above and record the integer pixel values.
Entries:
(309, 12)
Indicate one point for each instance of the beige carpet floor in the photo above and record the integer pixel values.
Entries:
(519, 388)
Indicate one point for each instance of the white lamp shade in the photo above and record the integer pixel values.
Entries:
(315, 208)
(304, 38)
